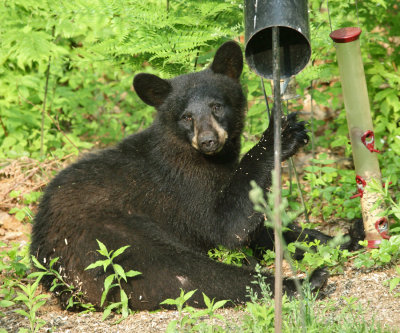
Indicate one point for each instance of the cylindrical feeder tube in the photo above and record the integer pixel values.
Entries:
(360, 126)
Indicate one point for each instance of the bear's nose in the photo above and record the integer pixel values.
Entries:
(208, 141)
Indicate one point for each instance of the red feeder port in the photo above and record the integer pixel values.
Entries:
(382, 226)
(368, 139)
(361, 184)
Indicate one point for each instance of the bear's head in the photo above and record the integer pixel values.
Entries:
(205, 109)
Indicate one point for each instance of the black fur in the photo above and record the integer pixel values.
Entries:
(171, 192)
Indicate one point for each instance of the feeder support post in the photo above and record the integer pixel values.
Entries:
(278, 180)
(360, 126)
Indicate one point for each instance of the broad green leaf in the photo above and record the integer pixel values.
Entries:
(98, 263)
(124, 297)
(291, 247)
(4, 303)
(104, 294)
(20, 215)
(385, 257)
(22, 312)
(41, 296)
(37, 263)
(106, 313)
(132, 273)
(169, 301)
(329, 169)
(207, 301)
(102, 248)
(189, 295)
(108, 281)
(70, 303)
(103, 297)
(382, 94)
(37, 275)
(124, 312)
(53, 261)
(25, 289)
(220, 304)
(119, 271)
(36, 306)
(119, 251)
(109, 308)
(312, 168)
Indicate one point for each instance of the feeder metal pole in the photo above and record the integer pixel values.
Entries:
(359, 122)
(278, 181)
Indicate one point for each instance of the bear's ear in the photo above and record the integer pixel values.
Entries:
(151, 89)
(228, 60)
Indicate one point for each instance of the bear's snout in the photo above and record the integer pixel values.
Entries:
(208, 142)
(209, 136)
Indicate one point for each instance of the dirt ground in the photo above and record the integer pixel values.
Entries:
(366, 287)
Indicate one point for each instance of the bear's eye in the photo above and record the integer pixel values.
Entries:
(187, 117)
(216, 108)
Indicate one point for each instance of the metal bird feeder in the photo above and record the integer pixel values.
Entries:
(291, 18)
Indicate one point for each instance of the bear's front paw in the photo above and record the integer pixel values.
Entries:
(294, 135)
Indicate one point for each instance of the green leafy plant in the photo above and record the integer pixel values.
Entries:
(265, 289)
(113, 280)
(24, 213)
(260, 311)
(14, 261)
(33, 301)
(388, 252)
(59, 285)
(189, 318)
(14, 266)
(331, 189)
(268, 258)
(317, 255)
(266, 207)
(180, 301)
(260, 318)
(230, 257)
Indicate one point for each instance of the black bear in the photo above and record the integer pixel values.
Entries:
(171, 192)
